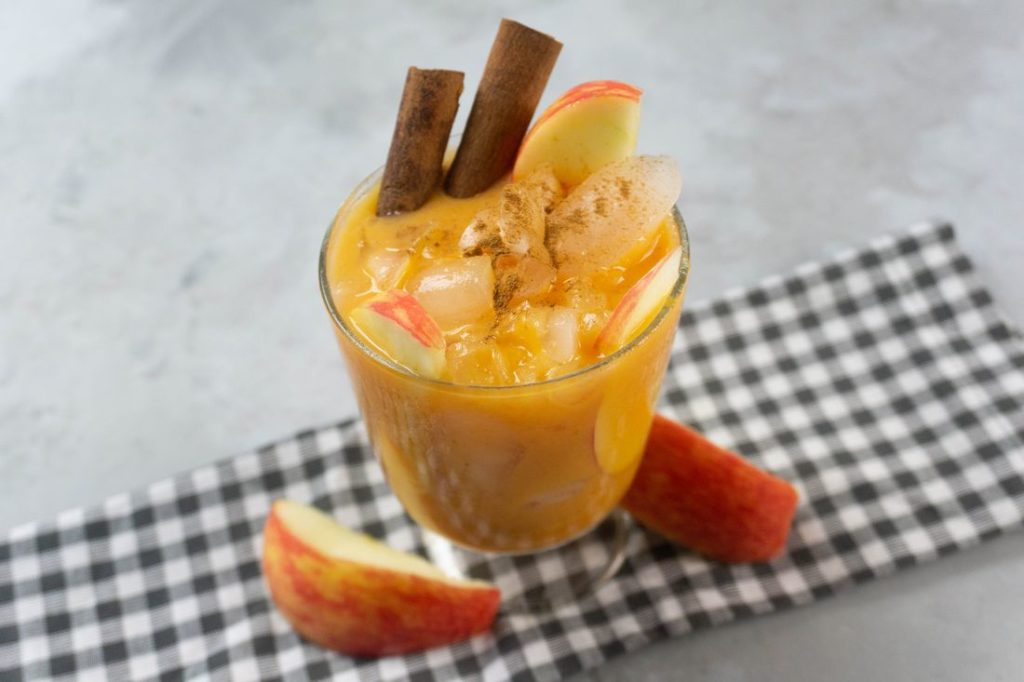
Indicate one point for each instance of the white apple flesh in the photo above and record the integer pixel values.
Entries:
(347, 592)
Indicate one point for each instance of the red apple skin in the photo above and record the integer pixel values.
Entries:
(709, 499)
(361, 610)
(405, 311)
(605, 88)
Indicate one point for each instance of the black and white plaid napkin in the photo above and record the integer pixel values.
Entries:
(883, 383)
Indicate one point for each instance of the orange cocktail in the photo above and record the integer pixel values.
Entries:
(520, 422)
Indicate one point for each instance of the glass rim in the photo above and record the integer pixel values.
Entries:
(367, 184)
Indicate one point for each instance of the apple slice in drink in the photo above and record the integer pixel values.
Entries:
(400, 327)
(347, 592)
(640, 304)
(588, 127)
(455, 291)
(620, 431)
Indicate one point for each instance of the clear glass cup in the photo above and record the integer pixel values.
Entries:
(513, 469)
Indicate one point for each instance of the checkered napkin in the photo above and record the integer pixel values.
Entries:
(883, 383)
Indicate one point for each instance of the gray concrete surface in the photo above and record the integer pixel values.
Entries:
(167, 169)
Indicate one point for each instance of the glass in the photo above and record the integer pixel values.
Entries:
(517, 468)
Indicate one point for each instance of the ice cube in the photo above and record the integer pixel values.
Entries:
(582, 298)
(516, 224)
(545, 186)
(538, 341)
(397, 236)
(436, 242)
(561, 342)
(523, 327)
(482, 236)
(611, 213)
(385, 267)
(455, 291)
(475, 361)
(521, 219)
(520, 277)
(591, 308)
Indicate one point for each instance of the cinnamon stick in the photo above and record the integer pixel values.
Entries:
(517, 70)
(425, 116)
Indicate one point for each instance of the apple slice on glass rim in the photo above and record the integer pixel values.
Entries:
(588, 127)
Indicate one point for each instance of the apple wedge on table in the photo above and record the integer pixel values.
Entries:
(709, 499)
(347, 592)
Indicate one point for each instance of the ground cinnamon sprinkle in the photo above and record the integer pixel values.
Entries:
(573, 222)
(512, 202)
(625, 188)
(505, 288)
(515, 212)
(491, 245)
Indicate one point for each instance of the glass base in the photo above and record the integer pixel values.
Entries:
(543, 580)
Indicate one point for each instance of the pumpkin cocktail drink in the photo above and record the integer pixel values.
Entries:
(507, 329)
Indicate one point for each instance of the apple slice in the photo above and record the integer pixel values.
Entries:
(709, 499)
(641, 302)
(347, 592)
(620, 431)
(400, 327)
(587, 128)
